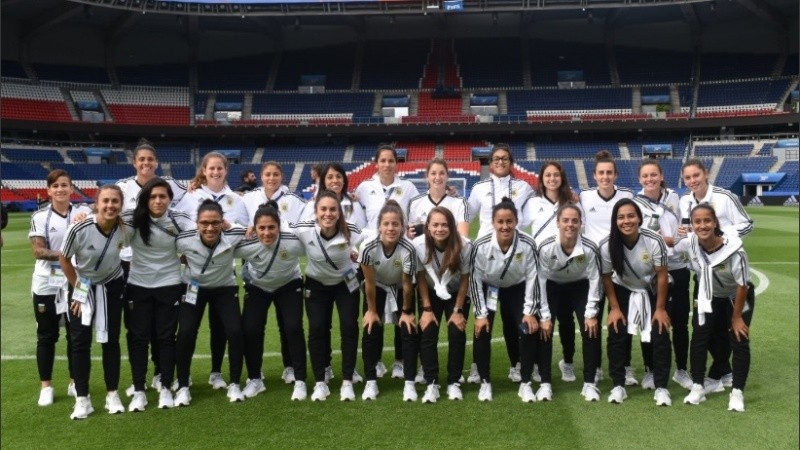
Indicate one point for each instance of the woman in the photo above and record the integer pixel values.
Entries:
(384, 185)
(569, 278)
(388, 263)
(661, 213)
(540, 210)
(597, 204)
(145, 162)
(274, 266)
(331, 279)
(504, 273)
(485, 195)
(334, 178)
(442, 282)
(636, 282)
(96, 286)
(48, 226)
(733, 219)
(211, 184)
(726, 299)
(291, 208)
(210, 279)
(154, 287)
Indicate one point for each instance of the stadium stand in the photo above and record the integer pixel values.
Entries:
(489, 63)
(731, 66)
(12, 69)
(72, 74)
(549, 57)
(27, 102)
(723, 150)
(739, 98)
(394, 64)
(650, 66)
(336, 63)
(790, 184)
(154, 75)
(574, 149)
(236, 74)
(148, 106)
(732, 168)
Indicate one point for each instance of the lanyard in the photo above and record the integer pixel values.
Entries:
(509, 191)
(105, 249)
(47, 224)
(545, 225)
(210, 255)
(388, 193)
(174, 222)
(325, 253)
(217, 199)
(272, 260)
(508, 261)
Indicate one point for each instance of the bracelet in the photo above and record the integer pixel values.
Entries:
(427, 308)
(408, 311)
(458, 310)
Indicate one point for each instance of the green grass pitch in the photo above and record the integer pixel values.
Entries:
(271, 420)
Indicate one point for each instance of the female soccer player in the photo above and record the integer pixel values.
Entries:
(442, 283)
(485, 195)
(48, 226)
(154, 286)
(661, 213)
(504, 274)
(725, 302)
(96, 296)
(384, 185)
(334, 178)
(421, 205)
(388, 262)
(569, 275)
(273, 261)
(636, 283)
(331, 279)
(210, 279)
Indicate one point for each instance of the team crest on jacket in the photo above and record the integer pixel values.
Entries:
(513, 192)
(284, 254)
(646, 258)
(518, 257)
(343, 245)
(580, 259)
(120, 245)
(284, 207)
(230, 201)
(399, 191)
(398, 264)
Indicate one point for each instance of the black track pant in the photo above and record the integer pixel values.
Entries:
(47, 333)
(565, 300)
(456, 341)
(319, 309)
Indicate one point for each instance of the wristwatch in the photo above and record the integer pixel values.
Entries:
(458, 310)
(427, 308)
(408, 311)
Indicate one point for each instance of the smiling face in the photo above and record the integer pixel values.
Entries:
(109, 202)
(215, 172)
(386, 165)
(628, 221)
(145, 163)
(437, 177)
(551, 179)
(650, 177)
(334, 181)
(327, 211)
(569, 224)
(504, 224)
(696, 179)
(605, 175)
(271, 178)
(438, 228)
(209, 224)
(390, 227)
(704, 223)
(500, 163)
(267, 229)
(158, 202)
(60, 190)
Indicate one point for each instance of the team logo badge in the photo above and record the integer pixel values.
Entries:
(120, 245)
(580, 259)
(230, 201)
(343, 245)
(398, 264)
(513, 192)
(646, 258)
(284, 254)
(284, 207)
(172, 229)
(518, 257)
(399, 191)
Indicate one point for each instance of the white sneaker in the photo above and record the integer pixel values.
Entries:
(165, 400)
(370, 390)
(727, 380)
(156, 384)
(409, 392)
(183, 397)
(598, 375)
(175, 386)
(618, 395)
(474, 377)
(514, 374)
(82, 408)
(590, 392)
(736, 402)
(288, 375)
(525, 392)
(662, 397)
(321, 392)
(235, 393)
(300, 392)
(567, 371)
(431, 394)
(346, 393)
(682, 378)
(545, 393)
(253, 387)
(46, 396)
(420, 378)
(114, 404)
(535, 375)
(485, 393)
(630, 376)
(712, 385)
(138, 402)
(328, 373)
(357, 378)
(131, 390)
(397, 370)
(454, 392)
(696, 396)
(216, 381)
(648, 382)
(380, 369)
(71, 390)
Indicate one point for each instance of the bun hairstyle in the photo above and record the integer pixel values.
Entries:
(452, 247)
(391, 206)
(603, 156)
(615, 242)
(144, 144)
(141, 213)
(709, 208)
(504, 147)
(209, 205)
(269, 209)
(385, 147)
(505, 203)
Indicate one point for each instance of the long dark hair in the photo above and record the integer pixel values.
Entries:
(709, 208)
(335, 167)
(615, 243)
(341, 224)
(452, 248)
(564, 191)
(141, 214)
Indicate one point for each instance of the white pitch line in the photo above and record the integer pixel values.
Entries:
(763, 281)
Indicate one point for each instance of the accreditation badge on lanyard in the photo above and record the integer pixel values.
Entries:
(191, 292)
(81, 292)
(57, 277)
(492, 294)
(390, 306)
(352, 280)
